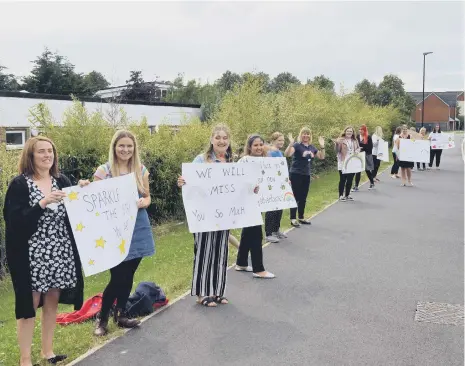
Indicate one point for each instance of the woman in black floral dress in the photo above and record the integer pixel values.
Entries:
(41, 252)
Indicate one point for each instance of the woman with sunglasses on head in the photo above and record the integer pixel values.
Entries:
(366, 145)
(303, 153)
(252, 237)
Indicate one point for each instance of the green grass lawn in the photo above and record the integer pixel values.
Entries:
(170, 268)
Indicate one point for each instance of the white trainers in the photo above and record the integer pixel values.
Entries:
(280, 235)
(272, 239)
(267, 275)
(243, 269)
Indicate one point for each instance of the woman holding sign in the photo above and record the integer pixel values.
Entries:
(435, 153)
(377, 135)
(405, 166)
(346, 145)
(211, 248)
(273, 218)
(303, 153)
(123, 158)
(252, 236)
(41, 252)
(366, 145)
(423, 134)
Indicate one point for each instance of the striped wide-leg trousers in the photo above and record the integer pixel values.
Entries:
(210, 263)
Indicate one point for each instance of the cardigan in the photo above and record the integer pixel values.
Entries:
(21, 221)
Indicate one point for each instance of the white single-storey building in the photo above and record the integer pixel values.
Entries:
(15, 107)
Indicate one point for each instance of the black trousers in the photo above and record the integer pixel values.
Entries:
(119, 287)
(437, 154)
(273, 221)
(395, 166)
(359, 175)
(418, 166)
(377, 163)
(345, 181)
(251, 241)
(300, 186)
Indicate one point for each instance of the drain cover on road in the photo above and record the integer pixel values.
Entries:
(439, 313)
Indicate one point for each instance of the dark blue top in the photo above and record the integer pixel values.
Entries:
(300, 164)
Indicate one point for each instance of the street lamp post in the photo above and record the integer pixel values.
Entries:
(423, 96)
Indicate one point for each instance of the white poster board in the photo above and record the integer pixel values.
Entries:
(383, 151)
(354, 163)
(220, 196)
(442, 141)
(416, 151)
(102, 217)
(275, 190)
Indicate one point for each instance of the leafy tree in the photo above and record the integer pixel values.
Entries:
(93, 82)
(367, 91)
(282, 81)
(8, 81)
(140, 90)
(322, 82)
(262, 78)
(228, 80)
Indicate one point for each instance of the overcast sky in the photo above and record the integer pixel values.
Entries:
(346, 41)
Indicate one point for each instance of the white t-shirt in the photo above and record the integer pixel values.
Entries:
(394, 146)
(375, 140)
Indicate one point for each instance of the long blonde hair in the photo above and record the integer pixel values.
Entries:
(134, 164)
(379, 132)
(304, 130)
(209, 151)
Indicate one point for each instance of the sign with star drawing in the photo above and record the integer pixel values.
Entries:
(275, 188)
(102, 217)
(442, 141)
(220, 196)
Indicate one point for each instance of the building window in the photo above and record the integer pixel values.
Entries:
(15, 139)
(163, 93)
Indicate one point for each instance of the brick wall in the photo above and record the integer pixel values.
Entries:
(435, 110)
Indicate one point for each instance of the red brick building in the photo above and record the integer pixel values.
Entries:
(440, 108)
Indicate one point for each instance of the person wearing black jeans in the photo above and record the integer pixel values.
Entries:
(303, 153)
(366, 145)
(251, 241)
(395, 165)
(346, 145)
(435, 152)
(345, 182)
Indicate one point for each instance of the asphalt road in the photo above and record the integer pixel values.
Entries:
(345, 294)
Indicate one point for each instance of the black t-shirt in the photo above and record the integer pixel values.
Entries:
(300, 164)
(368, 147)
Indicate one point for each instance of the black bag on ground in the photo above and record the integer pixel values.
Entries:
(141, 302)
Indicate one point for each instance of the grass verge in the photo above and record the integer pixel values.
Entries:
(170, 268)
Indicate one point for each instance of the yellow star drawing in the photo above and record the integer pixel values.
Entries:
(100, 243)
(132, 217)
(121, 246)
(97, 214)
(91, 262)
(79, 227)
(73, 196)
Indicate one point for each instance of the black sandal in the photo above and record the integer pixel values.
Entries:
(207, 301)
(220, 299)
(305, 221)
(56, 359)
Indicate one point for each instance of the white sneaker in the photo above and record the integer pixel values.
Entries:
(280, 235)
(243, 269)
(272, 239)
(267, 275)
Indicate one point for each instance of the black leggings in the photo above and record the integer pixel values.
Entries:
(119, 287)
(345, 181)
(395, 166)
(300, 186)
(251, 241)
(377, 163)
(273, 221)
(437, 154)
(418, 165)
(359, 175)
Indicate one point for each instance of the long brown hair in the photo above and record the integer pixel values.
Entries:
(134, 164)
(26, 162)
(343, 134)
(249, 142)
(209, 151)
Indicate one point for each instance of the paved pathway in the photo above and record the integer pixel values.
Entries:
(346, 291)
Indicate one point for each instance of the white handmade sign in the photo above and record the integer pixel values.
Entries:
(354, 163)
(102, 216)
(220, 196)
(383, 151)
(275, 191)
(442, 141)
(414, 150)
